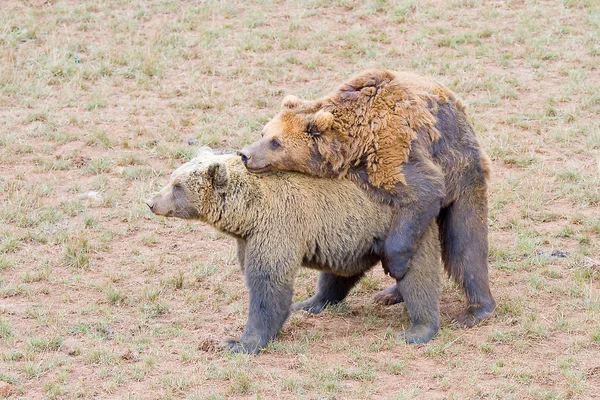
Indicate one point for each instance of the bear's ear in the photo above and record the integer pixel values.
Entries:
(216, 174)
(321, 122)
(204, 151)
(290, 101)
(368, 91)
(311, 129)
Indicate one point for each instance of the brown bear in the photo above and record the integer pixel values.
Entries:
(285, 220)
(407, 141)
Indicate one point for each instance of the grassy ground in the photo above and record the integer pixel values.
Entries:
(99, 99)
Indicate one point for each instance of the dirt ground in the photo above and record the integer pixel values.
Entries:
(101, 100)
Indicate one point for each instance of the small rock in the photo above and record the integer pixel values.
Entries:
(208, 345)
(592, 263)
(80, 161)
(73, 352)
(593, 372)
(555, 253)
(6, 389)
(71, 347)
(129, 355)
(192, 141)
(92, 195)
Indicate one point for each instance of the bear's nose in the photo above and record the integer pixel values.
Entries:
(150, 204)
(244, 157)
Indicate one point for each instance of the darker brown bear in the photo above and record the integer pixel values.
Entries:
(407, 141)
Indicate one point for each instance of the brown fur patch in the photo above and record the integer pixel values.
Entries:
(370, 122)
(486, 164)
(377, 115)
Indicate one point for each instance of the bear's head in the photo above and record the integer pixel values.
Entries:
(288, 140)
(364, 129)
(195, 189)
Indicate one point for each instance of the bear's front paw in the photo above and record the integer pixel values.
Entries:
(237, 346)
(418, 334)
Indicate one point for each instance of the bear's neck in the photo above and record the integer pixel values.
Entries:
(321, 166)
(355, 171)
(240, 205)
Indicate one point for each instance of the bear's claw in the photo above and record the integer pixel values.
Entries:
(389, 296)
(237, 346)
(312, 305)
(473, 315)
(417, 334)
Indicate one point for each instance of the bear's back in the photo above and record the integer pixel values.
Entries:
(336, 222)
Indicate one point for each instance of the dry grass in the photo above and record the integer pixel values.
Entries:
(99, 299)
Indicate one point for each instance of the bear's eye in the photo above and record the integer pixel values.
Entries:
(275, 144)
(311, 129)
(178, 191)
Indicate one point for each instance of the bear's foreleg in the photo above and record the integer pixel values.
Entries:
(270, 301)
(241, 252)
(331, 289)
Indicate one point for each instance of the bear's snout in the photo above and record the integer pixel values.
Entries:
(255, 158)
(150, 204)
(156, 204)
(243, 157)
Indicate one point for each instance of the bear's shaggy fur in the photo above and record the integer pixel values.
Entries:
(407, 141)
(284, 220)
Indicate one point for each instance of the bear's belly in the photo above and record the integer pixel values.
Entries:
(347, 261)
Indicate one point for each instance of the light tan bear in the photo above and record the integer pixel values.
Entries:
(283, 221)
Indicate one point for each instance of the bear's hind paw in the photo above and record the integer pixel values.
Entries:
(474, 314)
(312, 305)
(236, 346)
(389, 296)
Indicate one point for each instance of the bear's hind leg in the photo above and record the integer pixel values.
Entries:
(464, 236)
(422, 289)
(331, 289)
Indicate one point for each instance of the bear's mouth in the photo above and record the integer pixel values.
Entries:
(258, 170)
